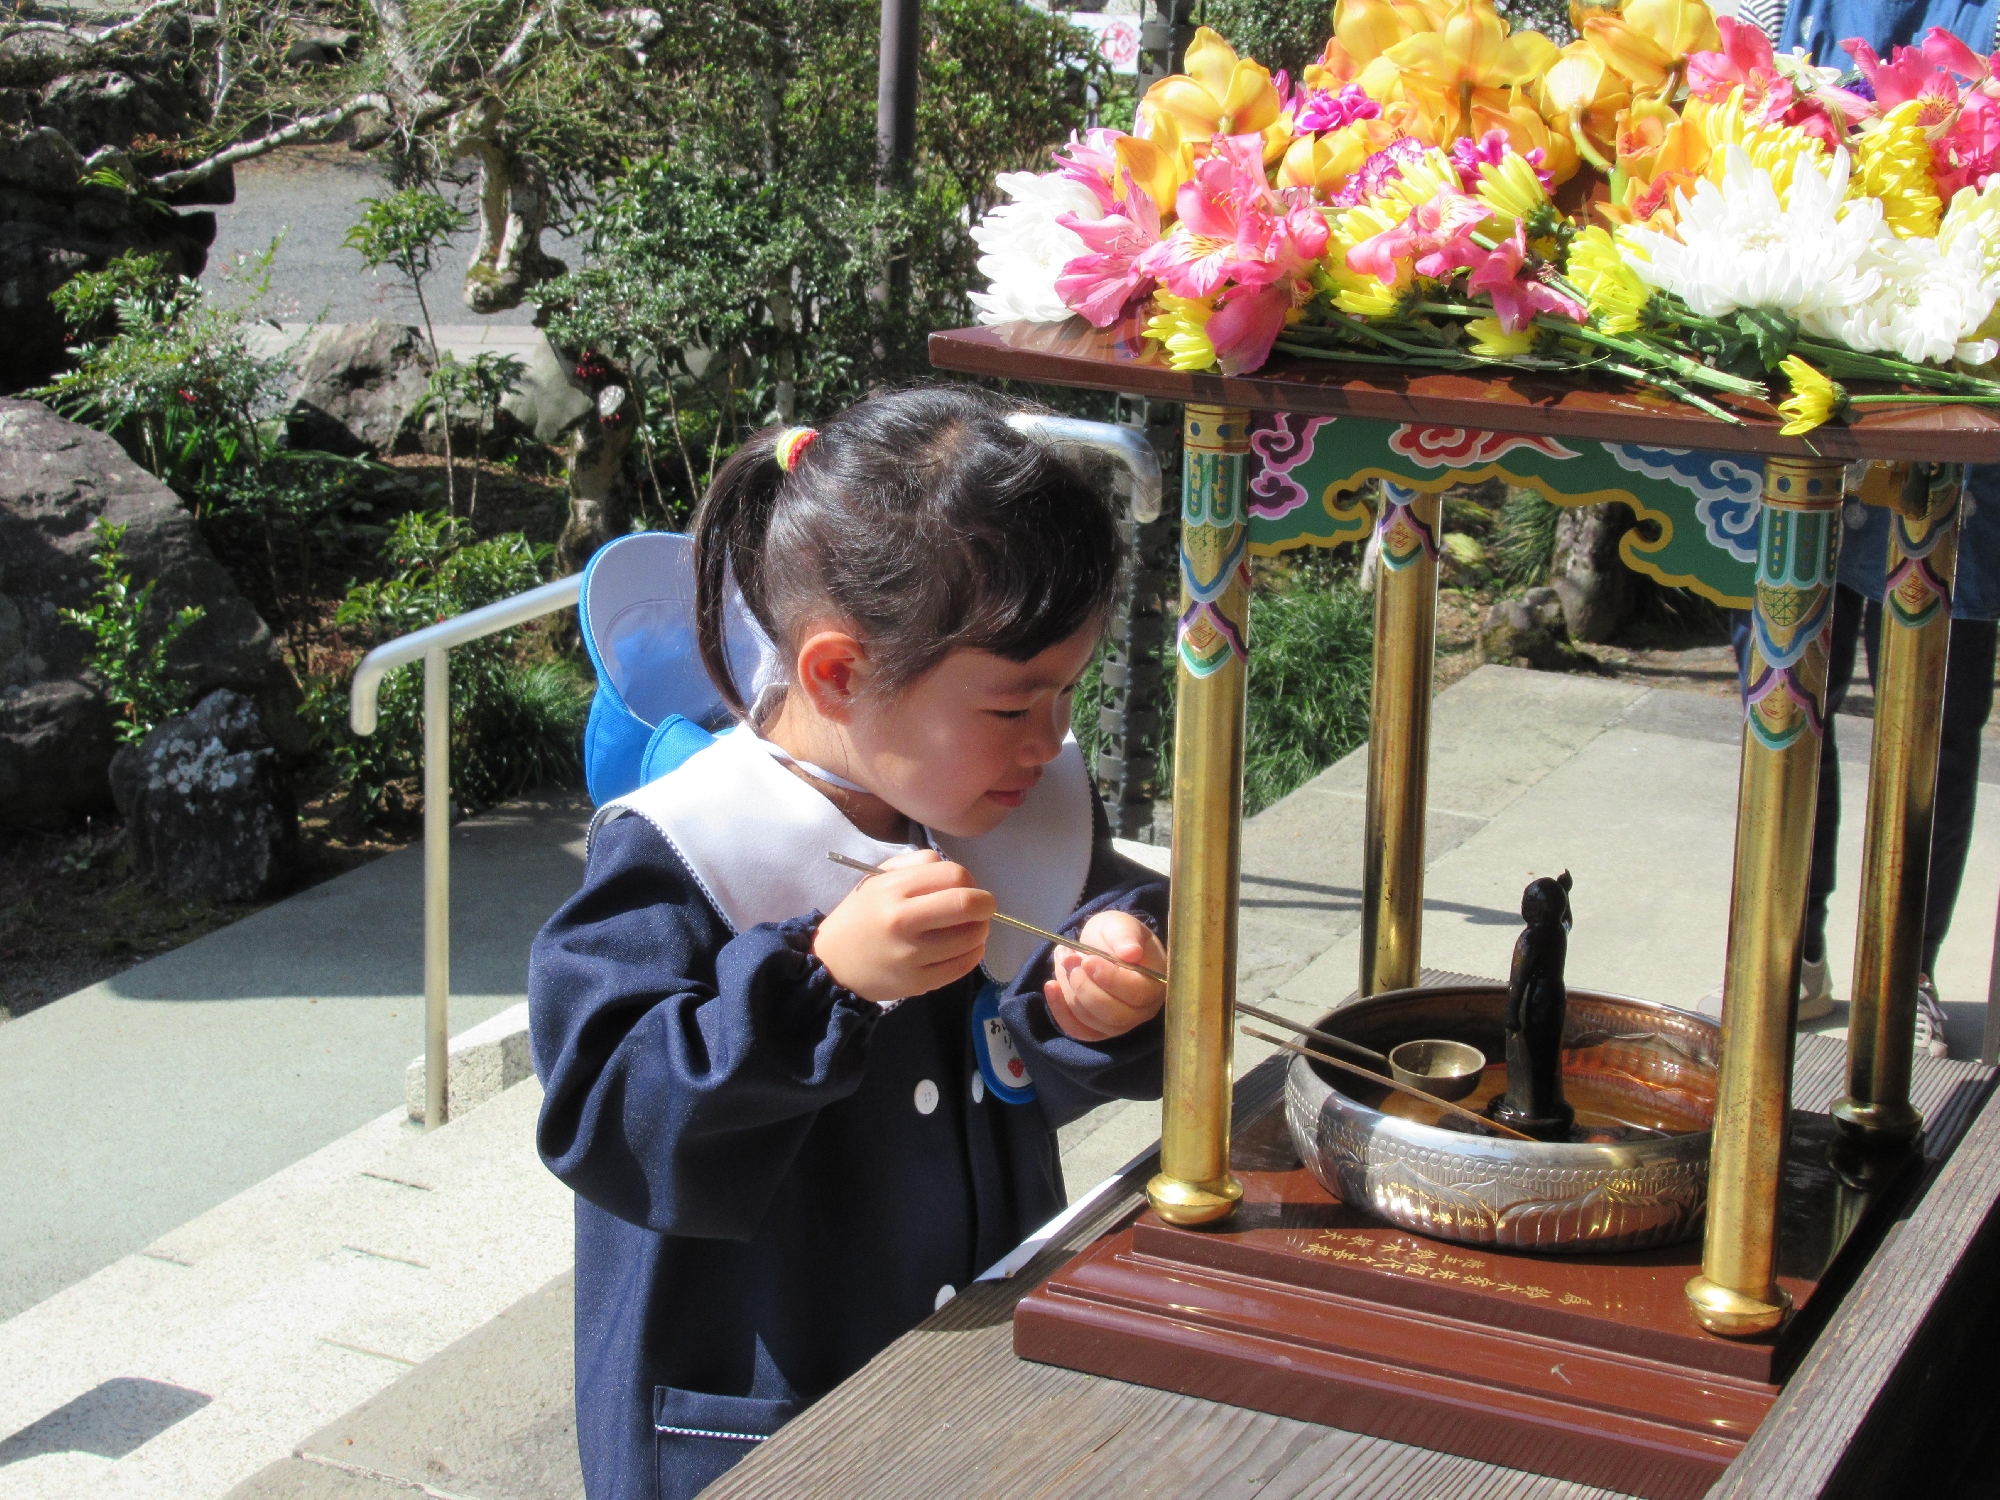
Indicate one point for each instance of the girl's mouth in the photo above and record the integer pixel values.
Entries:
(1009, 799)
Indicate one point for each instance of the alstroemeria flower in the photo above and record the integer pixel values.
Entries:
(1221, 94)
(1092, 163)
(1473, 57)
(1103, 283)
(1435, 240)
(1963, 125)
(1517, 300)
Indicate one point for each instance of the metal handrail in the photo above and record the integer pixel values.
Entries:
(1125, 444)
(432, 645)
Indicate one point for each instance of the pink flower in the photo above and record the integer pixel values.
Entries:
(1492, 148)
(1323, 110)
(1744, 62)
(1964, 126)
(1102, 284)
(1226, 213)
(1436, 239)
(1378, 171)
(1517, 301)
(1093, 162)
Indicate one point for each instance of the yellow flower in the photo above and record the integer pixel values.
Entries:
(1421, 181)
(1220, 94)
(1355, 293)
(1614, 292)
(1648, 40)
(1892, 161)
(1324, 162)
(1511, 189)
(1494, 342)
(1582, 96)
(1813, 400)
(1181, 324)
(1159, 164)
(1471, 58)
(1775, 149)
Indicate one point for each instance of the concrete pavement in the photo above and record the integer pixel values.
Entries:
(139, 1103)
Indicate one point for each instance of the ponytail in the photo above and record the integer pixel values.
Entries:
(729, 530)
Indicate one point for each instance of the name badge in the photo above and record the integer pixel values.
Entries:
(993, 1046)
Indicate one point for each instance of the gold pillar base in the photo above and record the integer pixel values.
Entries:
(1733, 1314)
(1882, 1125)
(1190, 1203)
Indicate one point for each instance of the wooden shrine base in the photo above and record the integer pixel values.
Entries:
(1587, 1368)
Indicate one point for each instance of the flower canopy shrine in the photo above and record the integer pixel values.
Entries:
(1662, 266)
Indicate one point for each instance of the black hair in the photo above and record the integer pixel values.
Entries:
(919, 518)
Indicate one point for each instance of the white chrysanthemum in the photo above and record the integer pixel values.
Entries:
(1024, 249)
(1741, 246)
(1929, 307)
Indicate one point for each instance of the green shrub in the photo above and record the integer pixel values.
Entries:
(514, 725)
(133, 670)
(1524, 547)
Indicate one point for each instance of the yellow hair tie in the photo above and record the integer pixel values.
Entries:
(792, 444)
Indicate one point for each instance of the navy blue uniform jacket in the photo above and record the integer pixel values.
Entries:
(774, 1178)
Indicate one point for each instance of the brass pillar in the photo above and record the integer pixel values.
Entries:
(1399, 739)
(1798, 540)
(1193, 1185)
(1902, 792)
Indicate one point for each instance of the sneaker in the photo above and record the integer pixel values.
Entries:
(1815, 990)
(1930, 1019)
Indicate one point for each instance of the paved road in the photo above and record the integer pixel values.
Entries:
(312, 196)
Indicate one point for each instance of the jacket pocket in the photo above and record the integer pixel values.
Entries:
(700, 1437)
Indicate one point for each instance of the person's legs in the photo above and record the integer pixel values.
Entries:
(1968, 701)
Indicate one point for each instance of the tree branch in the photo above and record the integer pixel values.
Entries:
(298, 130)
(97, 38)
(510, 61)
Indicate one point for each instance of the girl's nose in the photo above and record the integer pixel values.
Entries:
(1045, 744)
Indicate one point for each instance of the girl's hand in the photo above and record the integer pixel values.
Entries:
(908, 931)
(1091, 999)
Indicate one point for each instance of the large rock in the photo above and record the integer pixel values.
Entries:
(358, 384)
(56, 480)
(52, 227)
(1528, 632)
(1594, 584)
(208, 809)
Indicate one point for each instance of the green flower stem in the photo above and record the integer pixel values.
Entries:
(1678, 391)
(1681, 365)
(1435, 360)
(1913, 400)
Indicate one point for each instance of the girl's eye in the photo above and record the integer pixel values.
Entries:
(1008, 713)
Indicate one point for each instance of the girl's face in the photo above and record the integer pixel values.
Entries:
(960, 748)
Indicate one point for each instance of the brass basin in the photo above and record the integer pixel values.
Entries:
(1454, 1184)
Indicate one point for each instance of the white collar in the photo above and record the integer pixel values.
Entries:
(755, 837)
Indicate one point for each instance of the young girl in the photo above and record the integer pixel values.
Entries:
(801, 1107)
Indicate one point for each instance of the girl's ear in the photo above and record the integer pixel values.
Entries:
(831, 667)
